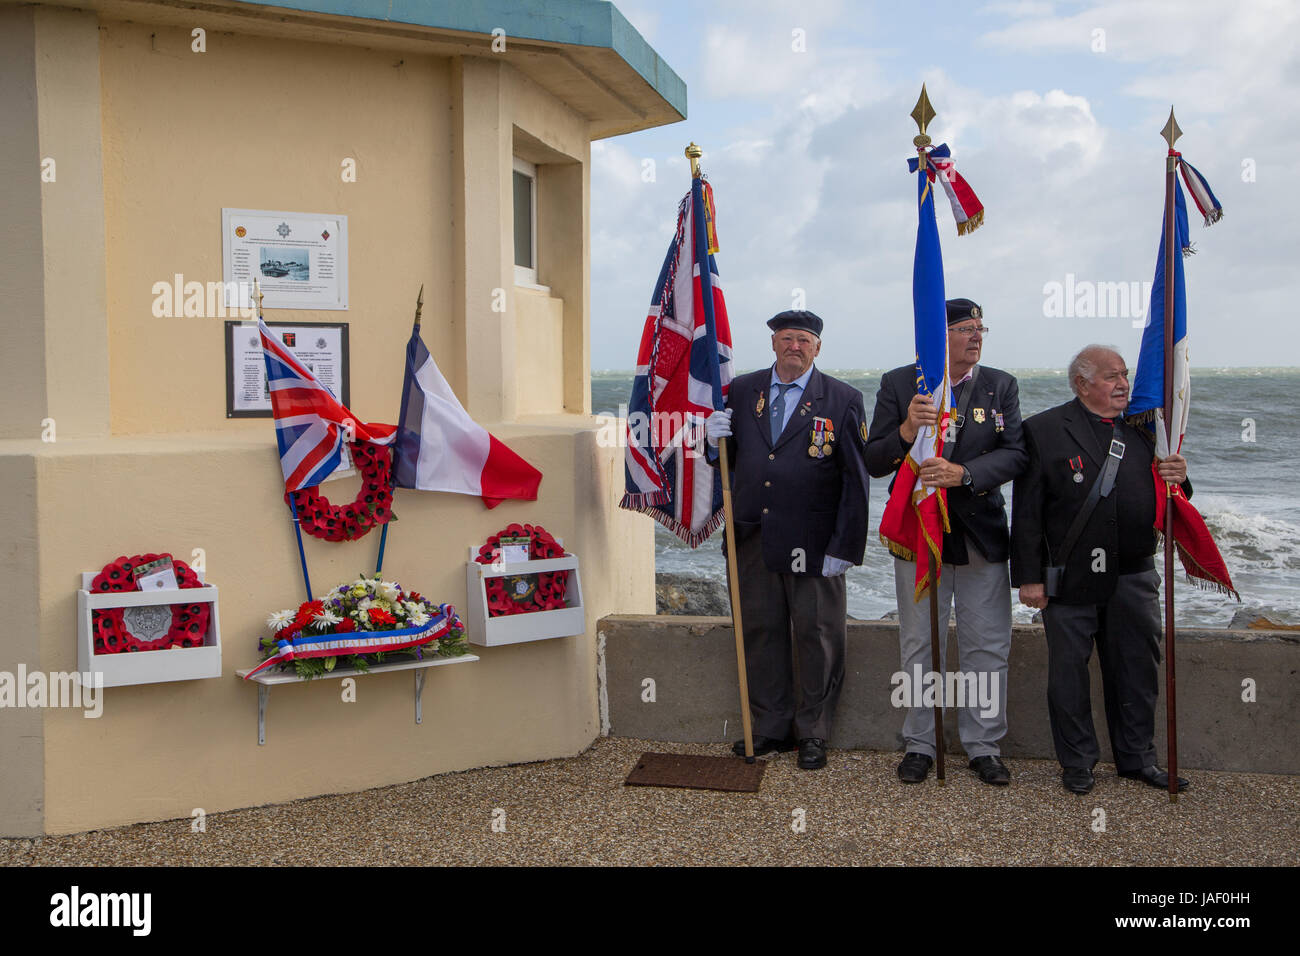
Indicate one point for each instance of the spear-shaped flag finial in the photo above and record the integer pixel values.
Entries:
(923, 112)
(419, 305)
(1171, 132)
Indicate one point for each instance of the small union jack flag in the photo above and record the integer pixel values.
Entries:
(311, 425)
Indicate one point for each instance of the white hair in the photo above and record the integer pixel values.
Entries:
(1084, 364)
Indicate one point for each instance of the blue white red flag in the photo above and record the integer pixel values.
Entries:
(1197, 551)
(683, 374)
(311, 425)
(440, 448)
(916, 517)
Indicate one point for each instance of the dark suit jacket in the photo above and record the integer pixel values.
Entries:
(818, 505)
(994, 455)
(1046, 498)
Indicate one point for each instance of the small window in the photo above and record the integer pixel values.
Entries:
(525, 218)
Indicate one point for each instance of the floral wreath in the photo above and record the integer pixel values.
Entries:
(371, 507)
(524, 593)
(189, 621)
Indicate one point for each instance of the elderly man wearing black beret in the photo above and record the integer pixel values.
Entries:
(984, 450)
(796, 439)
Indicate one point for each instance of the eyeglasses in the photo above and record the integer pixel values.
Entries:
(972, 329)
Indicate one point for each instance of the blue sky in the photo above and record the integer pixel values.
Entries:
(1054, 124)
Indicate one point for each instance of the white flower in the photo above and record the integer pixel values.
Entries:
(365, 604)
(418, 619)
(279, 620)
(325, 619)
(388, 591)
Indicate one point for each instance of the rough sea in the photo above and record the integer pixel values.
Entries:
(1245, 489)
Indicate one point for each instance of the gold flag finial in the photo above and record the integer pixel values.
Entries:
(693, 153)
(923, 112)
(419, 304)
(258, 295)
(1171, 132)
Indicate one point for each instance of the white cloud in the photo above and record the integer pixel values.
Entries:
(812, 190)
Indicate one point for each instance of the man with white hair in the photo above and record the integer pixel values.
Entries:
(1082, 549)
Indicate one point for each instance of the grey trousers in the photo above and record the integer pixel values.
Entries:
(1126, 630)
(982, 592)
(794, 646)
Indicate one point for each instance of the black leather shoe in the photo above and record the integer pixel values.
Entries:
(812, 753)
(914, 768)
(1077, 779)
(764, 745)
(991, 769)
(1155, 777)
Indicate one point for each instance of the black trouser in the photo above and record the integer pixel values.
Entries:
(794, 637)
(1127, 633)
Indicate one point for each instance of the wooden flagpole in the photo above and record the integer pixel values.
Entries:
(1171, 132)
(923, 112)
(693, 153)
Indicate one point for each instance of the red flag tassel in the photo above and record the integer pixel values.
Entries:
(1197, 551)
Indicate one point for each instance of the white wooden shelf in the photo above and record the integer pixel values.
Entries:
(147, 667)
(270, 677)
(487, 631)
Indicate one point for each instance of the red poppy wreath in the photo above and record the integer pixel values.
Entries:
(524, 593)
(189, 624)
(372, 507)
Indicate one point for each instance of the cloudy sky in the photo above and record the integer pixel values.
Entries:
(1053, 112)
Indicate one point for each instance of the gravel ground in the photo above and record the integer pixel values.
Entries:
(855, 812)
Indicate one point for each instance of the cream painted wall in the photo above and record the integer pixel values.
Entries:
(161, 750)
(539, 341)
(259, 123)
(433, 140)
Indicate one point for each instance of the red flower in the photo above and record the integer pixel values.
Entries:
(345, 626)
(379, 616)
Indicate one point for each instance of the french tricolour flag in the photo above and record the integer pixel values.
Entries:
(440, 448)
(311, 425)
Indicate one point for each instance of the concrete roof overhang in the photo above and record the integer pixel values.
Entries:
(584, 52)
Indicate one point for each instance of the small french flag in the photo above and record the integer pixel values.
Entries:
(440, 448)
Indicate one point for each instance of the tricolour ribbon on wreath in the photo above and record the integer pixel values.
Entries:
(334, 644)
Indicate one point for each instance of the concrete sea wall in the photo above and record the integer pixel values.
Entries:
(692, 662)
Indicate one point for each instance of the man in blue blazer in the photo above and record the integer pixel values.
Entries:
(985, 450)
(796, 439)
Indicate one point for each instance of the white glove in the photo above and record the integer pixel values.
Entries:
(718, 426)
(834, 567)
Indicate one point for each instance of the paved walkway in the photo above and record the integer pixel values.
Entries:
(855, 812)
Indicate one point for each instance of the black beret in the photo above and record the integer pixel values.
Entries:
(796, 319)
(959, 310)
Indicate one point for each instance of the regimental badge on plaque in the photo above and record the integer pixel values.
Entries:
(823, 437)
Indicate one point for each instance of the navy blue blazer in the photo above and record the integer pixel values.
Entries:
(805, 507)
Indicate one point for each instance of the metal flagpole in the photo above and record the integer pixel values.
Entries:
(293, 503)
(693, 153)
(1171, 132)
(383, 534)
(923, 112)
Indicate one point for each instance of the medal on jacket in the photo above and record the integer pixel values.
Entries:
(978, 415)
(998, 422)
(1076, 466)
(762, 402)
(823, 433)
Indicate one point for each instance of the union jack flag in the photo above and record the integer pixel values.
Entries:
(683, 374)
(311, 425)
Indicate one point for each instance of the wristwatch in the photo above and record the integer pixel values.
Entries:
(966, 479)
